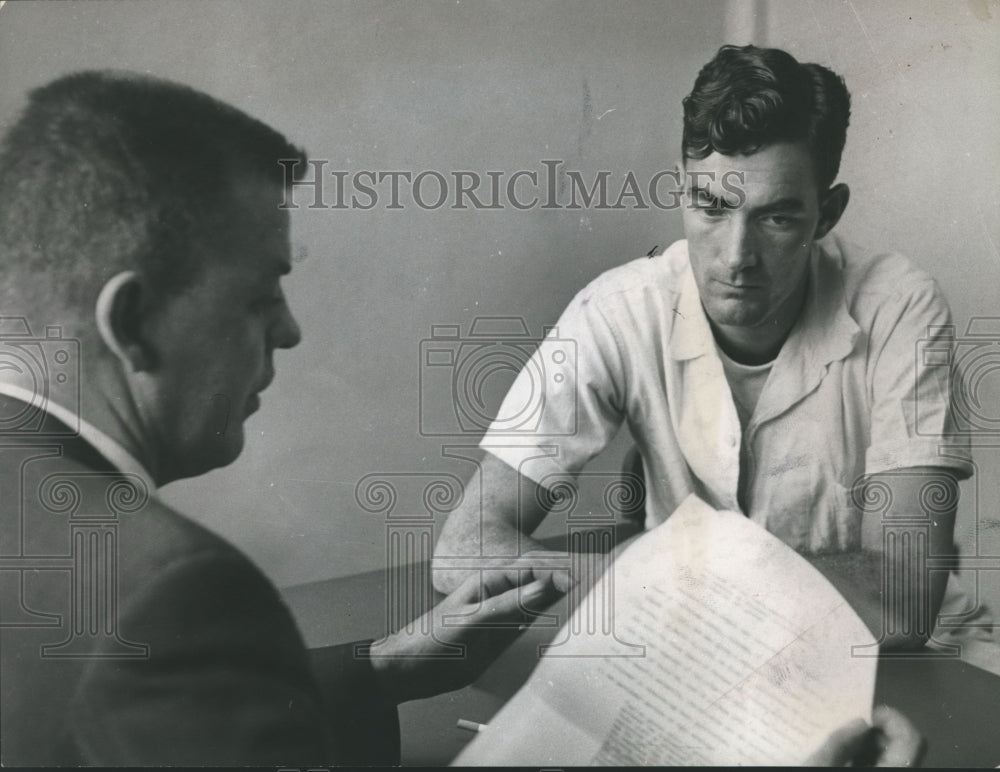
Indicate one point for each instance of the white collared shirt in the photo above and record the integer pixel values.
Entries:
(845, 397)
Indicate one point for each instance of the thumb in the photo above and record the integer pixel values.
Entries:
(841, 747)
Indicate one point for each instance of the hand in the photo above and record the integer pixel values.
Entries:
(586, 572)
(891, 741)
(453, 643)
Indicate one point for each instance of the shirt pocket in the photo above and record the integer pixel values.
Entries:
(801, 505)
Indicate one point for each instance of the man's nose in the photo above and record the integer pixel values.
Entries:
(740, 249)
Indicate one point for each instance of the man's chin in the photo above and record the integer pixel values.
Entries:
(232, 447)
(219, 451)
(731, 313)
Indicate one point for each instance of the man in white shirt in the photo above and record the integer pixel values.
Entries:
(764, 363)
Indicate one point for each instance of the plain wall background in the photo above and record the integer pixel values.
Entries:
(482, 86)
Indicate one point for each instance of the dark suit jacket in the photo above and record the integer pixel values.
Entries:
(133, 636)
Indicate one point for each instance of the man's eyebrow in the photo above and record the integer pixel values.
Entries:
(787, 204)
(697, 190)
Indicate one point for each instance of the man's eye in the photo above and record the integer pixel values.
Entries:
(713, 211)
(779, 220)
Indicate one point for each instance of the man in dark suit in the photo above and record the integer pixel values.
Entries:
(142, 246)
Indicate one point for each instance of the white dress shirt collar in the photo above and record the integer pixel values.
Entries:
(112, 450)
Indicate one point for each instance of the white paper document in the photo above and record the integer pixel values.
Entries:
(730, 650)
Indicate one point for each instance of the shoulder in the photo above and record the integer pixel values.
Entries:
(871, 275)
(170, 565)
(642, 275)
(157, 535)
(887, 295)
(637, 297)
(206, 614)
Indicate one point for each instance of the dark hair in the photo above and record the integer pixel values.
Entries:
(749, 97)
(106, 171)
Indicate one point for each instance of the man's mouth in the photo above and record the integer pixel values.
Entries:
(739, 287)
(253, 401)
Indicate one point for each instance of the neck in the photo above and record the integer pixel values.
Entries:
(751, 347)
(101, 415)
(111, 408)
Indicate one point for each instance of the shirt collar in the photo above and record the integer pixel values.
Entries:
(112, 450)
(691, 335)
(825, 332)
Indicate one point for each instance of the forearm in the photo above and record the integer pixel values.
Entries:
(489, 528)
(467, 536)
(894, 596)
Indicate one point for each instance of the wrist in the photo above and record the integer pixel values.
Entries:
(390, 678)
(395, 672)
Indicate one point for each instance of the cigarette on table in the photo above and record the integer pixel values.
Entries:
(472, 726)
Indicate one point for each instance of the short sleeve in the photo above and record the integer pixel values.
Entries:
(912, 378)
(567, 402)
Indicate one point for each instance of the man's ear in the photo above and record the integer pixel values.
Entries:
(831, 208)
(119, 313)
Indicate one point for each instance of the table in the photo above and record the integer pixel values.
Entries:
(955, 706)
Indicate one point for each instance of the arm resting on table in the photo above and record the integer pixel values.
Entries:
(887, 581)
(495, 524)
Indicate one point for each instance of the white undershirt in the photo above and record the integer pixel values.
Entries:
(746, 382)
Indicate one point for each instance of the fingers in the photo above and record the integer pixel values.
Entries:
(843, 746)
(901, 743)
(532, 566)
(513, 603)
(510, 596)
(511, 593)
(892, 741)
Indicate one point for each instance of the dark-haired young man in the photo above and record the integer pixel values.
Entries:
(143, 246)
(763, 364)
